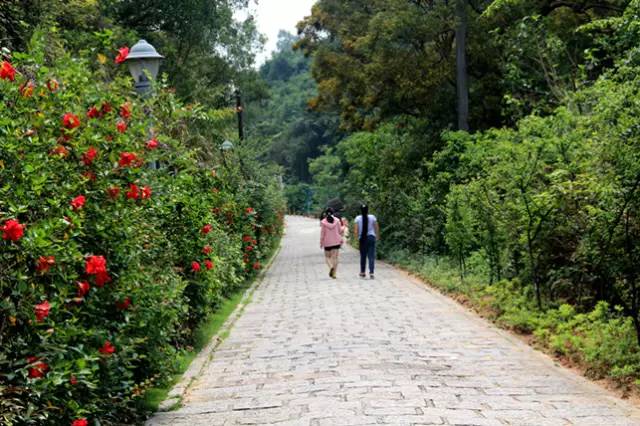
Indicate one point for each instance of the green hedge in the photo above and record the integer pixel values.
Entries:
(107, 265)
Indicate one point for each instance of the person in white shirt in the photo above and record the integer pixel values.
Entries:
(368, 231)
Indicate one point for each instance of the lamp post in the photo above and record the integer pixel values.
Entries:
(225, 147)
(240, 111)
(144, 64)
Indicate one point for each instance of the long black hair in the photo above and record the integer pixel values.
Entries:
(364, 211)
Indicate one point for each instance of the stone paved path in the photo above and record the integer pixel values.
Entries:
(312, 351)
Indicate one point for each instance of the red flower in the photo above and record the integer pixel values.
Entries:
(70, 120)
(59, 150)
(7, 72)
(124, 304)
(152, 144)
(83, 288)
(134, 192)
(45, 263)
(89, 156)
(26, 89)
(113, 192)
(12, 230)
(195, 266)
(249, 210)
(146, 192)
(125, 111)
(123, 52)
(121, 126)
(208, 264)
(38, 368)
(78, 202)
(257, 266)
(248, 248)
(52, 85)
(107, 348)
(93, 112)
(102, 278)
(246, 239)
(95, 265)
(105, 108)
(127, 159)
(80, 422)
(207, 249)
(42, 310)
(206, 229)
(74, 381)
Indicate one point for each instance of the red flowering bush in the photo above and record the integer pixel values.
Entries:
(99, 289)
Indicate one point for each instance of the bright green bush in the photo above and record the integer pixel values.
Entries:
(106, 264)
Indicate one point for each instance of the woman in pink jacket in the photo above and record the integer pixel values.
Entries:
(331, 231)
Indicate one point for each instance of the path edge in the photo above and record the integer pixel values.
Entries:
(176, 394)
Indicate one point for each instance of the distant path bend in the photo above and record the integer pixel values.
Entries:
(309, 350)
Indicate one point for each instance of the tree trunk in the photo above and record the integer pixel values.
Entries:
(462, 78)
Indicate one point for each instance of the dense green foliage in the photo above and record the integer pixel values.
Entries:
(537, 209)
(108, 265)
(374, 60)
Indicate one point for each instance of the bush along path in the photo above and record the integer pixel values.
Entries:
(309, 350)
(107, 266)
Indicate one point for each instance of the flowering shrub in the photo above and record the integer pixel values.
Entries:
(107, 264)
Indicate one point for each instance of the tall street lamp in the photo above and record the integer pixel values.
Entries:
(144, 64)
(240, 111)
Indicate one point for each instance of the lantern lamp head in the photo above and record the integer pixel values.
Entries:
(226, 145)
(144, 63)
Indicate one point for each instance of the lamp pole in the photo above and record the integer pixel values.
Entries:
(224, 148)
(240, 112)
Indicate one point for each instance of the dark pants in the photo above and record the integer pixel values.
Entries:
(368, 250)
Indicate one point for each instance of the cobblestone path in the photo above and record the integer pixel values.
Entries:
(309, 350)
